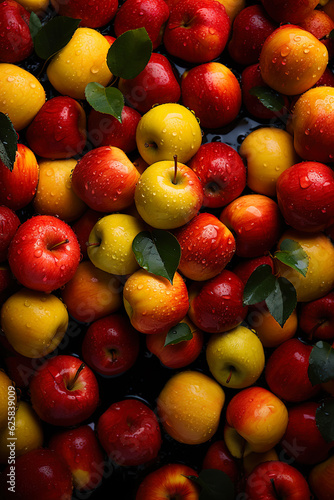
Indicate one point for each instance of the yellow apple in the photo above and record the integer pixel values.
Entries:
(7, 393)
(37, 6)
(254, 459)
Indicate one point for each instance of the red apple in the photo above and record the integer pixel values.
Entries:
(218, 457)
(93, 14)
(316, 318)
(197, 30)
(106, 130)
(110, 345)
(216, 305)
(82, 228)
(320, 25)
(221, 171)
(156, 84)
(286, 371)
(15, 41)
(246, 267)
(64, 391)
(129, 432)
(256, 222)
(44, 253)
(9, 222)
(81, 451)
(59, 129)
(289, 11)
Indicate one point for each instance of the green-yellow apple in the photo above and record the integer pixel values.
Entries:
(110, 243)
(189, 407)
(235, 358)
(34, 322)
(7, 393)
(167, 130)
(168, 194)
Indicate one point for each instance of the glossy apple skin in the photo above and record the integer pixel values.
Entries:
(221, 172)
(279, 68)
(321, 479)
(251, 27)
(286, 371)
(201, 39)
(81, 451)
(51, 397)
(207, 246)
(93, 14)
(268, 330)
(110, 345)
(150, 14)
(83, 227)
(105, 179)
(216, 304)
(16, 42)
(18, 187)
(312, 125)
(152, 303)
(106, 130)
(305, 194)
(59, 129)
(169, 481)
(92, 293)
(156, 84)
(246, 267)
(129, 433)
(213, 92)
(302, 440)
(320, 25)
(218, 457)
(256, 222)
(9, 222)
(289, 483)
(316, 318)
(37, 472)
(289, 11)
(35, 260)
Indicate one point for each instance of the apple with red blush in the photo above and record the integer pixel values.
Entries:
(320, 25)
(59, 129)
(289, 11)
(64, 392)
(246, 267)
(9, 222)
(218, 457)
(129, 433)
(15, 41)
(83, 227)
(316, 318)
(93, 14)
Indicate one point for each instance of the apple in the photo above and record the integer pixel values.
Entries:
(7, 393)
(106, 130)
(216, 305)
(271, 333)
(156, 84)
(105, 179)
(218, 457)
(34, 322)
(92, 293)
(235, 358)
(44, 253)
(321, 479)
(37, 6)
(256, 420)
(64, 391)
(169, 481)
(167, 130)
(110, 345)
(16, 42)
(320, 25)
(93, 14)
(316, 318)
(213, 92)
(168, 194)
(253, 459)
(54, 195)
(245, 267)
(110, 243)
(275, 479)
(221, 172)
(153, 304)
(197, 30)
(207, 246)
(9, 222)
(35, 473)
(82, 228)
(149, 14)
(129, 433)
(20, 368)
(189, 407)
(81, 451)
(233, 7)
(289, 11)
(286, 371)
(17, 187)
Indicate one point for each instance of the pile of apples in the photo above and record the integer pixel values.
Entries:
(167, 250)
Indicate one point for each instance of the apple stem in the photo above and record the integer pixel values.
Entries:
(60, 243)
(229, 376)
(92, 244)
(175, 169)
(315, 328)
(274, 487)
(79, 370)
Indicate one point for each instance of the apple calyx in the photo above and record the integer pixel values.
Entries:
(151, 145)
(56, 245)
(71, 384)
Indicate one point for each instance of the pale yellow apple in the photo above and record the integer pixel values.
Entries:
(7, 393)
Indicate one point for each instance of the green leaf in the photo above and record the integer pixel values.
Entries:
(293, 255)
(158, 252)
(331, 34)
(324, 418)
(259, 285)
(214, 484)
(8, 142)
(321, 363)
(105, 100)
(34, 25)
(282, 300)
(54, 35)
(178, 333)
(268, 97)
(129, 53)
